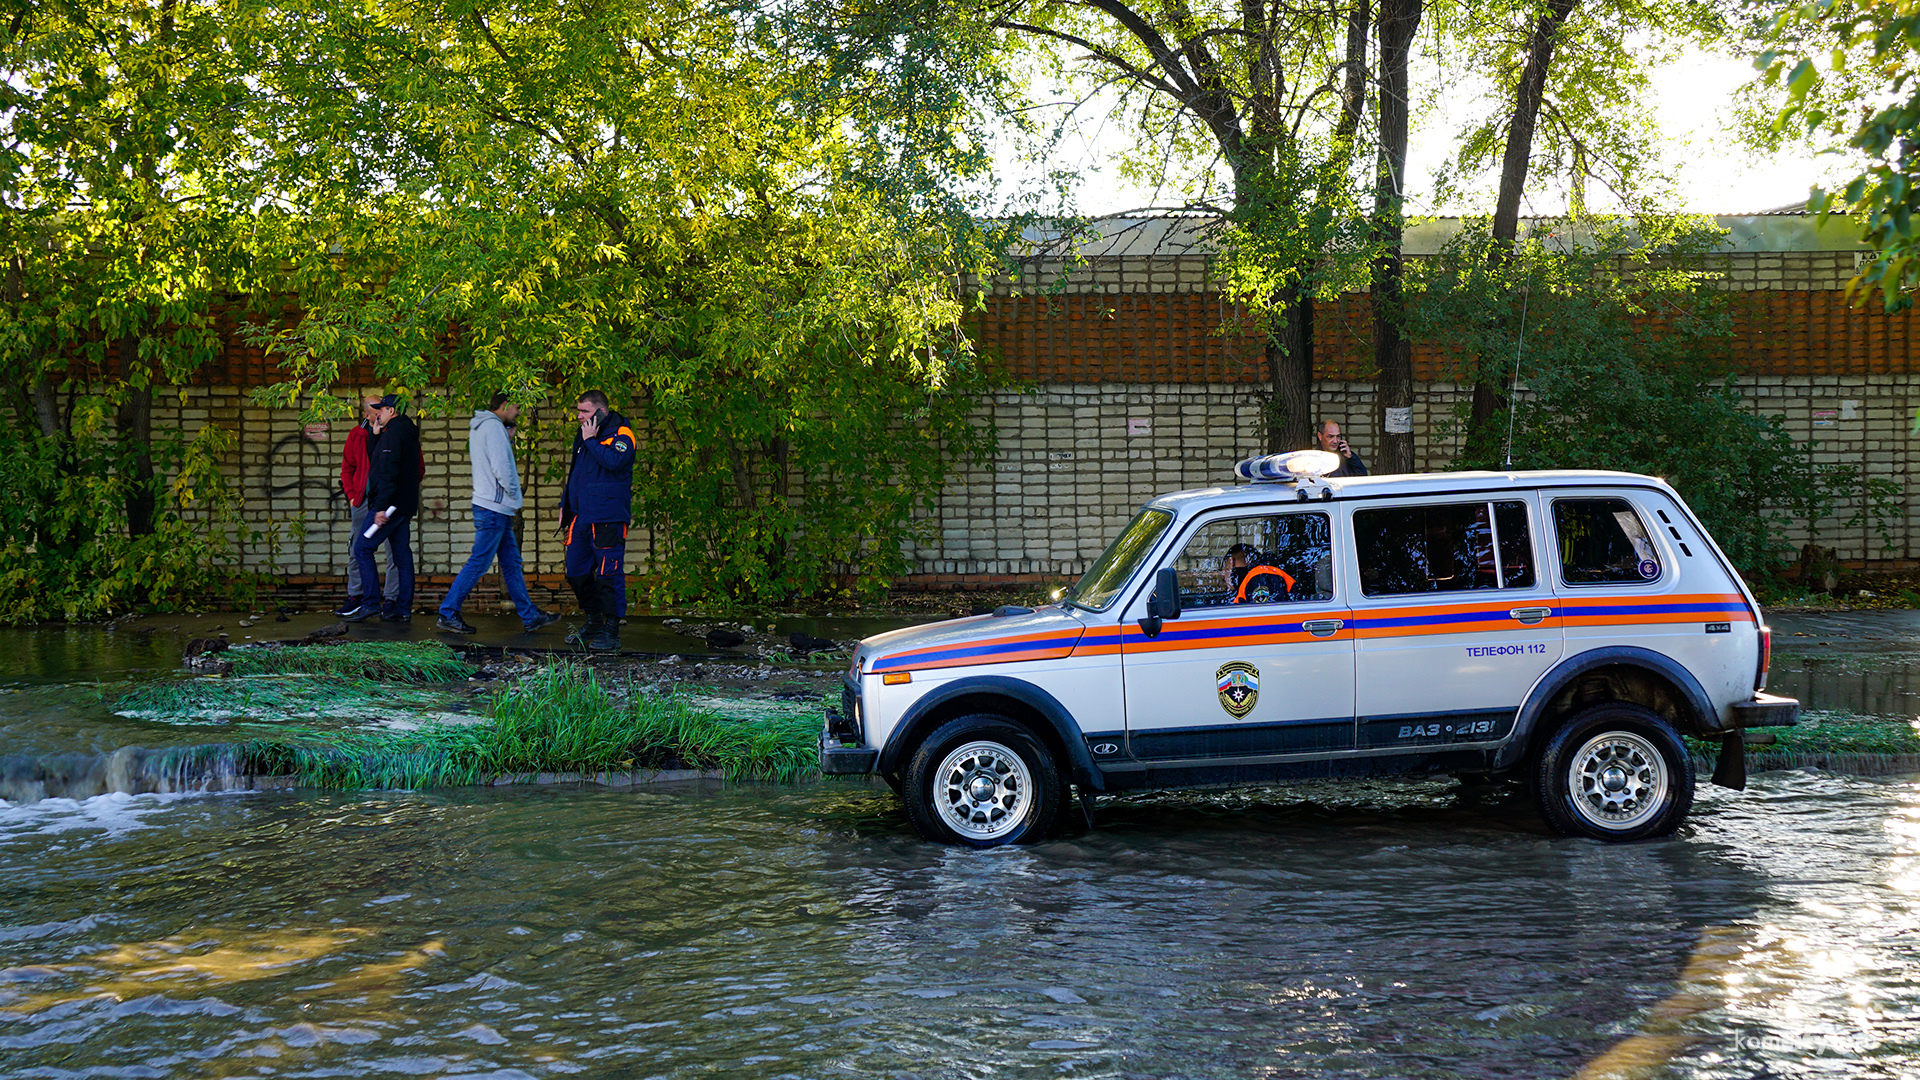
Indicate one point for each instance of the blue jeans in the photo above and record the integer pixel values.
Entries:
(401, 551)
(492, 536)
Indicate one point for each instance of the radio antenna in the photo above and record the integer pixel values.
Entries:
(1519, 347)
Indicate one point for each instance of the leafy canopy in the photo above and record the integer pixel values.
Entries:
(1849, 71)
(680, 204)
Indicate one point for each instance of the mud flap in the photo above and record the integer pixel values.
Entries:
(1086, 806)
(1731, 770)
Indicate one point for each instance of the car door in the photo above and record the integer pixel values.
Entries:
(1455, 621)
(1260, 661)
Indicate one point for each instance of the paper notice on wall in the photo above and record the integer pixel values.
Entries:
(1138, 426)
(1849, 410)
(1399, 421)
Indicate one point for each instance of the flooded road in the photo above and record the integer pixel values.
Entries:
(1364, 930)
(1371, 931)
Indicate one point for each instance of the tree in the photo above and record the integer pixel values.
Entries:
(688, 206)
(1850, 73)
(1393, 353)
(129, 218)
(1627, 366)
(1269, 94)
(1571, 79)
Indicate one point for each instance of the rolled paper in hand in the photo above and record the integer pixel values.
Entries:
(375, 526)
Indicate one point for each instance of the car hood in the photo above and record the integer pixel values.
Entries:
(1045, 634)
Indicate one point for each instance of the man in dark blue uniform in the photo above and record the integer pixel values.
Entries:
(595, 509)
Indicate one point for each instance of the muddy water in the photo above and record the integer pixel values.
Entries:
(1376, 931)
(1373, 930)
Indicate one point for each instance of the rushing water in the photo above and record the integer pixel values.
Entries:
(1385, 930)
(1392, 930)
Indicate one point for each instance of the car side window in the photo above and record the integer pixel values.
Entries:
(1444, 547)
(1602, 541)
(1270, 559)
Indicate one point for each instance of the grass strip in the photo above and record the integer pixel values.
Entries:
(385, 661)
(560, 719)
(1822, 732)
(275, 698)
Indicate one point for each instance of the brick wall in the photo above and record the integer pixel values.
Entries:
(1142, 384)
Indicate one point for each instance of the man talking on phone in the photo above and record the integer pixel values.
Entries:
(1326, 436)
(595, 509)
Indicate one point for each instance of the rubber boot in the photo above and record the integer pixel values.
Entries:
(581, 634)
(587, 594)
(607, 637)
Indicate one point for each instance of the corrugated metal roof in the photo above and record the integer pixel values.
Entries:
(1176, 235)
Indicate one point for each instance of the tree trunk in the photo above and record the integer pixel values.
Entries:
(135, 421)
(1392, 352)
(1290, 371)
(1490, 391)
(46, 408)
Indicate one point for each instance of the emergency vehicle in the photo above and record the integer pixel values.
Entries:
(1565, 627)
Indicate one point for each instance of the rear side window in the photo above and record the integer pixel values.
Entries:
(1444, 547)
(1601, 542)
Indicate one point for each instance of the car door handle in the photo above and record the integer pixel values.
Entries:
(1530, 615)
(1322, 627)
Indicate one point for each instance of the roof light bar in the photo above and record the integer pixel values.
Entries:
(1297, 465)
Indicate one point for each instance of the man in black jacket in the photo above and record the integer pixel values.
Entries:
(1326, 436)
(393, 494)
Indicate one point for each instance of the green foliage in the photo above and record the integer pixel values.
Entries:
(557, 720)
(1849, 71)
(678, 204)
(391, 661)
(1625, 365)
(65, 548)
(1597, 124)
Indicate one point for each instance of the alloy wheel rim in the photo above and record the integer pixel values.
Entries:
(1617, 780)
(983, 791)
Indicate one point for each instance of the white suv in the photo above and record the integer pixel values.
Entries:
(1569, 624)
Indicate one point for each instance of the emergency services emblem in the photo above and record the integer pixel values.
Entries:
(1239, 685)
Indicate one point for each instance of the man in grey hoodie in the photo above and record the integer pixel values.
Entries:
(496, 498)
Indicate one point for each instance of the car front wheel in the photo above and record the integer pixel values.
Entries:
(982, 781)
(1615, 772)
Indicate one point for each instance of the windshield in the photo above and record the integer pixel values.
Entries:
(1109, 573)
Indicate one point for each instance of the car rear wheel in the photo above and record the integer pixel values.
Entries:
(982, 781)
(1616, 772)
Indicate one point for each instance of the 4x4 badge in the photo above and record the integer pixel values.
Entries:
(1239, 684)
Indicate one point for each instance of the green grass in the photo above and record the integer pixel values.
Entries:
(1822, 732)
(276, 699)
(387, 661)
(560, 719)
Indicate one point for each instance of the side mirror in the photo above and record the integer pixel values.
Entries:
(1163, 602)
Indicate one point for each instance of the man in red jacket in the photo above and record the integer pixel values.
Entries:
(354, 464)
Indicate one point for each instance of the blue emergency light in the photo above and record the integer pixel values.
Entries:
(1297, 465)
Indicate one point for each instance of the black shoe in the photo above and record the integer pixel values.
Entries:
(361, 613)
(608, 639)
(397, 614)
(454, 624)
(539, 621)
(352, 605)
(579, 634)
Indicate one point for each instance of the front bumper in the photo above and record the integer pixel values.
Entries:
(840, 751)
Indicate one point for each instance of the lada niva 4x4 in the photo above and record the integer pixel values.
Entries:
(1564, 627)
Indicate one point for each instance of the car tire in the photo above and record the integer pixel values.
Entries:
(982, 781)
(1615, 772)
